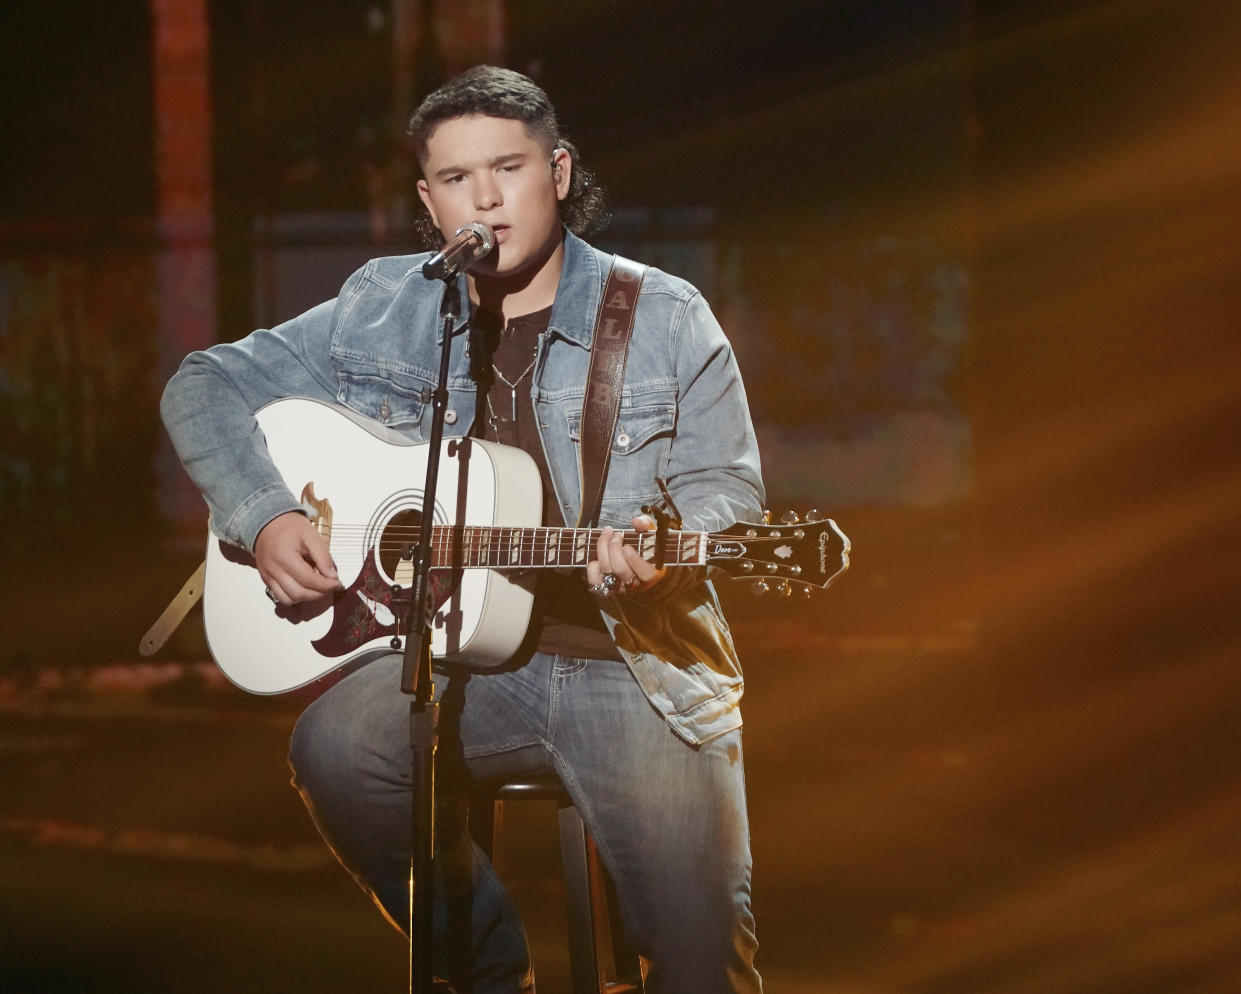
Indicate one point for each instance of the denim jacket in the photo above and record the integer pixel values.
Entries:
(683, 417)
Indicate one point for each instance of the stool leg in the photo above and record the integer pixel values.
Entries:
(592, 954)
(583, 949)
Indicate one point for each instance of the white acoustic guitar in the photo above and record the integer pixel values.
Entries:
(361, 485)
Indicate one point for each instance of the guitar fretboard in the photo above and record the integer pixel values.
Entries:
(499, 547)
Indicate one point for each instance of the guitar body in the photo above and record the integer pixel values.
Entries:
(363, 484)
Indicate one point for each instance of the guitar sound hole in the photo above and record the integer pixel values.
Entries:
(400, 533)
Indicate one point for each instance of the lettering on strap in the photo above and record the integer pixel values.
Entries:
(604, 381)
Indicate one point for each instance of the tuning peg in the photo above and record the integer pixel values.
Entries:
(766, 515)
(789, 518)
(759, 588)
(784, 590)
(807, 592)
(814, 515)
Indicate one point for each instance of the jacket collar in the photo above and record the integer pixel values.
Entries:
(577, 296)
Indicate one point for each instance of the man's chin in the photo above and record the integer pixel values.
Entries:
(495, 268)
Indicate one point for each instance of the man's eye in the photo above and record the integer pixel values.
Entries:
(459, 178)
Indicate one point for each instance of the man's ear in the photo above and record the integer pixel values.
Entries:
(562, 171)
(424, 195)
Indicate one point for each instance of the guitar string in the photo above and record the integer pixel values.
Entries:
(544, 530)
(396, 537)
(440, 533)
(474, 532)
(494, 550)
(593, 529)
(485, 545)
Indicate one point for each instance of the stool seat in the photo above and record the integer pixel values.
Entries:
(601, 960)
(536, 787)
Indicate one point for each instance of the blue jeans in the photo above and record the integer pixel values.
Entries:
(669, 819)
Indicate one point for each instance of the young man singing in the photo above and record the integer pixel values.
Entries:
(627, 684)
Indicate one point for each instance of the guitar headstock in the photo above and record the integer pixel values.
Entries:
(795, 554)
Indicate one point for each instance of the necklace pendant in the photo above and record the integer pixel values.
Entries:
(512, 389)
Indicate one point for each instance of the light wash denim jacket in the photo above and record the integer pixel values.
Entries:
(683, 417)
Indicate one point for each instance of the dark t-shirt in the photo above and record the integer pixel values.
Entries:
(564, 619)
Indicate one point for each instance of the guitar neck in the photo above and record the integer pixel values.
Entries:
(500, 547)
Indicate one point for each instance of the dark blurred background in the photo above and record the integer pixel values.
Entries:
(979, 264)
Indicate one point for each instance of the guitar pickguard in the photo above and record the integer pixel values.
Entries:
(369, 610)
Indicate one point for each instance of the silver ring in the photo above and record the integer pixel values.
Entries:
(606, 586)
(270, 596)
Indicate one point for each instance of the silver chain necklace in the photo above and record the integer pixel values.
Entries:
(512, 392)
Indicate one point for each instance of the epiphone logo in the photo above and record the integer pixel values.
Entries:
(824, 540)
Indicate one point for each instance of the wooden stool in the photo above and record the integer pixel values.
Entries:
(601, 960)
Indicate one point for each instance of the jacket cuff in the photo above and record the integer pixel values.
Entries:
(256, 511)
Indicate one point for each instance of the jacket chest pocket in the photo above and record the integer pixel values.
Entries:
(640, 448)
(401, 400)
(395, 400)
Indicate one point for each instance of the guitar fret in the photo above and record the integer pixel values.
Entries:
(691, 552)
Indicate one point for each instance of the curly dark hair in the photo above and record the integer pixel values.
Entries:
(496, 92)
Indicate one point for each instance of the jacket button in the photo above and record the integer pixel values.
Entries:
(385, 412)
(450, 417)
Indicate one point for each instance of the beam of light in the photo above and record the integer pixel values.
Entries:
(1160, 903)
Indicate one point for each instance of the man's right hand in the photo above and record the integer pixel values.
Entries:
(294, 561)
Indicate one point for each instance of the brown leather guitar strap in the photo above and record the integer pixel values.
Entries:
(604, 380)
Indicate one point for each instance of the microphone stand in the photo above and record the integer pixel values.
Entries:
(417, 681)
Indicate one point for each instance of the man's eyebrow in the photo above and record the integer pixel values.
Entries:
(508, 158)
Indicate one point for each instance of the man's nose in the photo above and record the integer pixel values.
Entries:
(487, 194)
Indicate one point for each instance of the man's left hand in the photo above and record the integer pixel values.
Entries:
(617, 568)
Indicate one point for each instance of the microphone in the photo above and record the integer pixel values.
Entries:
(471, 243)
